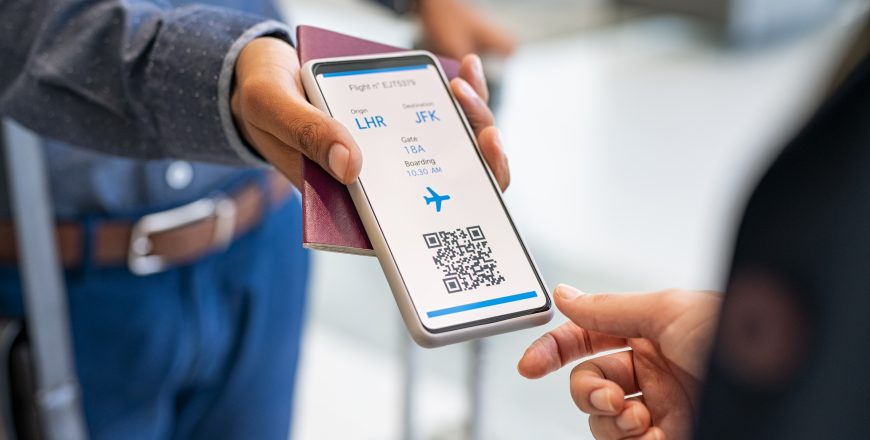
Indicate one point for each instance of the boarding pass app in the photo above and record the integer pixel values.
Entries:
(448, 231)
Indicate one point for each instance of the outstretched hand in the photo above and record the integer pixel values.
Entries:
(669, 333)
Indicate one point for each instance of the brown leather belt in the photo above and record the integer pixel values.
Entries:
(164, 239)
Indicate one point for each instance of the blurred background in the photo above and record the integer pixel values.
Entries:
(635, 130)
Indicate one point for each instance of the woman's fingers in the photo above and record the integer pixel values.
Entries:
(654, 433)
(561, 346)
(630, 315)
(598, 386)
(633, 420)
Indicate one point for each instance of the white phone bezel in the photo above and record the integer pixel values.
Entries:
(418, 331)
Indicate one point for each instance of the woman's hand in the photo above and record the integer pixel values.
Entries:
(669, 333)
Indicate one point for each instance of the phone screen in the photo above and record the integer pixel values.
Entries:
(453, 241)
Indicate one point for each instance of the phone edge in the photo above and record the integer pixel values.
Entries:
(418, 331)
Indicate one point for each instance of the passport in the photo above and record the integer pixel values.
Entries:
(329, 219)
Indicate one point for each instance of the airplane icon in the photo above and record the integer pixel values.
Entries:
(435, 198)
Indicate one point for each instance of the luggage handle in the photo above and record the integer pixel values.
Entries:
(58, 398)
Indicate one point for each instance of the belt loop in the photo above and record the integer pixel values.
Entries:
(88, 244)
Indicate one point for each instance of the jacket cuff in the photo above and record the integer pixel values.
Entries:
(190, 80)
(225, 88)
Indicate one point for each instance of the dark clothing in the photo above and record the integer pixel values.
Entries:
(138, 79)
(793, 350)
(121, 89)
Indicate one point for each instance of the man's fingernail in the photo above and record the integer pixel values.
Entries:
(600, 399)
(628, 421)
(339, 156)
(467, 89)
(567, 292)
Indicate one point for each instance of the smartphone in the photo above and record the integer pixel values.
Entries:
(432, 209)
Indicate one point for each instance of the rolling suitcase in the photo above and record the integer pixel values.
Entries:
(39, 392)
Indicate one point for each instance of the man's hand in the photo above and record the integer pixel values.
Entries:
(455, 29)
(269, 107)
(670, 334)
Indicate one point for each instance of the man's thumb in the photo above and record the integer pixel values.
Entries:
(627, 315)
(325, 141)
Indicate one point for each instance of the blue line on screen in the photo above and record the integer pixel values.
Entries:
(482, 304)
(385, 69)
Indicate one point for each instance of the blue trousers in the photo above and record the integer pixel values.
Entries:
(205, 351)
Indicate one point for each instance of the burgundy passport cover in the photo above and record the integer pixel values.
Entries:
(329, 218)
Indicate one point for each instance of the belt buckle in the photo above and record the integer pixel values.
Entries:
(141, 261)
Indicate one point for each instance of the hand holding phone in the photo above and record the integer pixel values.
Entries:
(269, 108)
(453, 258)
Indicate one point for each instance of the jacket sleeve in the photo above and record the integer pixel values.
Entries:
(127, 77)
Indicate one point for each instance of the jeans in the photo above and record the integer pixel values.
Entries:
(204, 351)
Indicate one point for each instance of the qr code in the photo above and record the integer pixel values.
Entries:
(464, 258)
